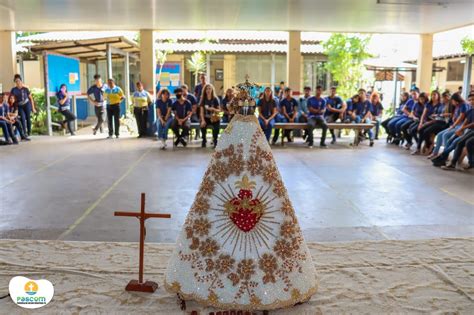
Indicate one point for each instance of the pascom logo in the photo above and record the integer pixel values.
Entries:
(29, 293)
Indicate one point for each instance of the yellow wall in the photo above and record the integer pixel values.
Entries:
(32, 73)
(441, 77)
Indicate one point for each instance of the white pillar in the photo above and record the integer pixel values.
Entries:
(466, 84)
(127, 83)
(8, 58)
(148, 60)
(293, 61)
(273, 73)
(109, 62)
(424, 72)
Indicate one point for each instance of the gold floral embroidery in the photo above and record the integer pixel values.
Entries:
(245, 269)
(253, 166)
(283, 248)
(207, 186)
(279, 188)
(224, 263)
(201, 205)
(189, 232)
(209, 265)
(229, 151)
(236, 164)
(201, 226)
(287, 229)
(194, 243)
(234, 278)
(268, 264)
(220, 171)
(208, 248)
(270, 173)
(213, 298)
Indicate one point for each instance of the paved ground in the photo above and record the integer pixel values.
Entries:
(68, 188)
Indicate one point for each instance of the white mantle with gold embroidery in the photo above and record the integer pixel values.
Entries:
(241, 246)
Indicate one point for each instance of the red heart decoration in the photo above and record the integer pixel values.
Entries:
(245, 216)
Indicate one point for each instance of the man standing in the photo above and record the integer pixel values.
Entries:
(141, 100)
(114, 95)
(316, 108)
(198, 88)
(336, 109)
(182, 111)
(96, 96)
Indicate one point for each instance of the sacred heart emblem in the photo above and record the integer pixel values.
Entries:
(244, 210)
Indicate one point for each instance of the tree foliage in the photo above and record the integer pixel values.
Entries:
(346, 54)
(468, 45)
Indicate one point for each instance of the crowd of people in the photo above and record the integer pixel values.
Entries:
(436, 125)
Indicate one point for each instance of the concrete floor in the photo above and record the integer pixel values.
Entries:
(68, 188)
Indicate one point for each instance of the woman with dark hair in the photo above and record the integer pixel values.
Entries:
(5, 123)
(24, 102)
(13, 116)
(442, 117)
(267, 110)
(163, 115)
(209, 111)
(417, 119)
(390, 124)
(65, 108)
(432, 109)
(227, 99)
(460, 109)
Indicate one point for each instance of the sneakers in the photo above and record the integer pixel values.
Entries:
(449, 167)
(371, 143)
(184, 143)
(176, 142)
(310, 145)
(323, 145)
(94, 131)
(203, 144)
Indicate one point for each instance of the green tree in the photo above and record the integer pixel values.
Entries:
(468, 45)
(346, 54)
(197, 64)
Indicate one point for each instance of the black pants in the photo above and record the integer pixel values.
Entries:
(303, 119)
(404, 129)
(99, 113)
(433, 129)
(69, 118)
(314, 122)
(113, 118)
(141, 116)
(331, 118)
(461, 145)
(180, 131)
(413, 132)
(385, 126)
(215, 130)
(24, 112)
(470, 151)
(421, 134)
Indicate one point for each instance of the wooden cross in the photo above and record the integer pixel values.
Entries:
(139, 285)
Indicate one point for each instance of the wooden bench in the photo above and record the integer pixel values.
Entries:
(336, 126)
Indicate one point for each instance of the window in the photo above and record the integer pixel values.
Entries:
(455, 71)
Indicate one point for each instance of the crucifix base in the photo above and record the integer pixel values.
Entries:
(147, 286)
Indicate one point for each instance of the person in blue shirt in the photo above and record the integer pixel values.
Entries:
(198, 89)
(64, 107)
(362, 113)
(164, 118)
(432, 109)
(24, 103)
(460, 110)
(14, 119)
(95, 95)
(209, 111)
(410, 130)
(335, 110)
(288, 112)
(377, 111)
(194, 102)
(226, 100)
(442, 120)
(267, 111)
(316, 108)
(350, 108)
(388, 123)
(303, 109)
(182, 111)
(6, 124)
(448, 138)
(395, 125)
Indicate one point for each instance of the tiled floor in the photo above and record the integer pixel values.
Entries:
(68, 188)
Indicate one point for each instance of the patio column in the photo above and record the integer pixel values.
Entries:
(8, 58)
(148, 60)
(466, 82)
(229, 71)
(424, 72)
(293, 61)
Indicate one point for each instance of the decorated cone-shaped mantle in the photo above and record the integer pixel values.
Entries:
(241, 246)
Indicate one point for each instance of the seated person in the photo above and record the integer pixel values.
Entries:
(316, 108)
(362, 113)
(209, 110)
(396, 123)
(462, 134)
(410, 128)
(433, 108)
(267, 110)
(227, 99)
(335, 110)
(6, 124)
(288, 113)
(194, 103)
(303, 109)
(377, 112)
(350, 108)
(16, 121)
(443, 119)
(182, 111)
(460, 110)
(164, 118)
